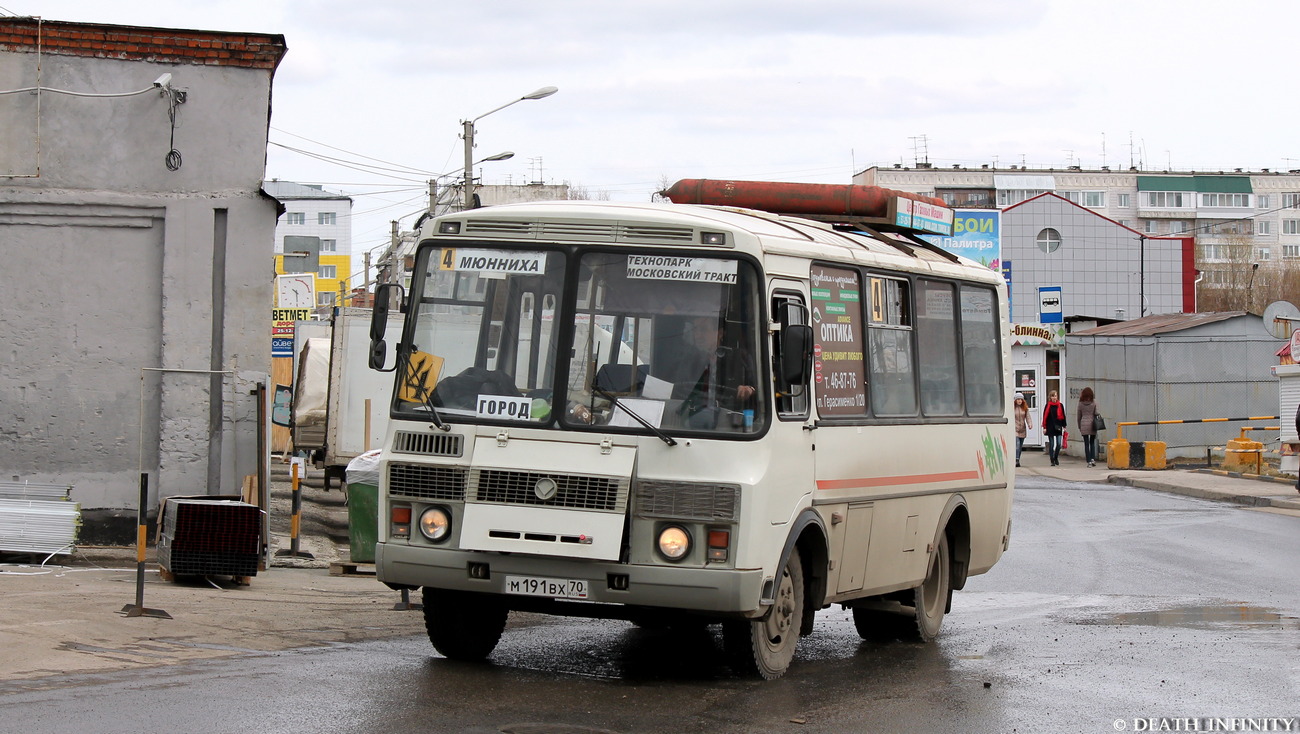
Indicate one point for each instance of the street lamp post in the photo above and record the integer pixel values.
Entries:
(468, 134)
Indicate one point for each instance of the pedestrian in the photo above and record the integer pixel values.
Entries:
(1085, 413)
(1053, 425)
(1297, 430)
(1021, 410)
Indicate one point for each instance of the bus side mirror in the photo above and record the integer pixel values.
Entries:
(796, 353)
(385, 295)
(378, 354)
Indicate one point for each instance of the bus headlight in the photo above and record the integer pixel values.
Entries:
(435, 523)
(674, 542)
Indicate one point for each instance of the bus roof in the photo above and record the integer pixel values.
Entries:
(755, 232)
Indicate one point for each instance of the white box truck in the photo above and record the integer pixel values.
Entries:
(356, 398)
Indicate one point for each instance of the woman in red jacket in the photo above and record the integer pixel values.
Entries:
(1053, 426)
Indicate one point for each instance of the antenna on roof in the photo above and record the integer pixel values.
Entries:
(920, 150)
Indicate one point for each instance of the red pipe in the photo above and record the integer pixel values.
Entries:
(791, 198)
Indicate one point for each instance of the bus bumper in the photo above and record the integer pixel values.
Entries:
(721, 590)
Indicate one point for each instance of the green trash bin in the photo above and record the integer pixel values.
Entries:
(363, 521)
(362, 477)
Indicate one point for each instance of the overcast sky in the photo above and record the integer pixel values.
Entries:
(750, 89)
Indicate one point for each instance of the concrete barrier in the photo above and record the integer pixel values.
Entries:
(1124, 454)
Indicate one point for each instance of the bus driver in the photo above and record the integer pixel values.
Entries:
(725, 375)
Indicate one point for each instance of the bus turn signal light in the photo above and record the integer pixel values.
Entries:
(719, 541)
(401, 517)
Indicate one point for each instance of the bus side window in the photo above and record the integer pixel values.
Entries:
(791, 400)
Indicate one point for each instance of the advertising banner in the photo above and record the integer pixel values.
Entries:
(976, 235)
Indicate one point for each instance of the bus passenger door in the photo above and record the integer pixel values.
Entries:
(791, 439)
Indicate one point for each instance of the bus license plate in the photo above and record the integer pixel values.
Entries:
(539, 586)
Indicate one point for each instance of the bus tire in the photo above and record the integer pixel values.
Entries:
(463, 625)
(916, 614)
(931, 598)
(877, 622)
(766, 645)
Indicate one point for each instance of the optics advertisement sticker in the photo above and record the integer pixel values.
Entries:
(838, 368)
(504, 262)
(672, 267)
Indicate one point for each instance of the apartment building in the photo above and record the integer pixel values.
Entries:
(311, 211)
(1246, 224)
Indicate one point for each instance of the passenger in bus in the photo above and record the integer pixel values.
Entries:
(725, 376)
(1053, 426)
(1021, 409)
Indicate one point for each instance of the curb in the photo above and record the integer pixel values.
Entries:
(1242, 475)
(1208, 494)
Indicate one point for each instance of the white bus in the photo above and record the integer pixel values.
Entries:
(679, 414)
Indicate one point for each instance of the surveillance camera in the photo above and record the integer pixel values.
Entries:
(163, 81)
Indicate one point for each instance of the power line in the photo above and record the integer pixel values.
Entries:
(363, 167)
(359, 155)
(390, 206)
(1208, 227)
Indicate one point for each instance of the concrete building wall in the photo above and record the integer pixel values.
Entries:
(127, 282)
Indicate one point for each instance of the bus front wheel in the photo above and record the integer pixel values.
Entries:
(766, 645)
(463, 625)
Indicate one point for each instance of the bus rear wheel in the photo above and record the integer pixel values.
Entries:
(930, 599)
(766, 645)
(463, 625)
(916, 614)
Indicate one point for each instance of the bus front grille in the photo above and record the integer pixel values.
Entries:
(574, 492)
(428, 444)
(688, 500)
(426, 482)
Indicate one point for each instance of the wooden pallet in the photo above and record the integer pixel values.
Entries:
(352, 569)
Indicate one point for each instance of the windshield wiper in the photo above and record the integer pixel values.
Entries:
(613, 399)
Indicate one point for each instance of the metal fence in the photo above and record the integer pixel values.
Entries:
(1176, 378)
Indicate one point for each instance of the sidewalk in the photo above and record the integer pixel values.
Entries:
(64, 618)
(1205, 484)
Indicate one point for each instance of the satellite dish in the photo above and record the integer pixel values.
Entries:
(1281, 318)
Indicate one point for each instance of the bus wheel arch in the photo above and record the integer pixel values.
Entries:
(956, 526)
(766, 645)
(809, 536)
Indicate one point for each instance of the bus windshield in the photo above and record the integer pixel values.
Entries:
(667, 341)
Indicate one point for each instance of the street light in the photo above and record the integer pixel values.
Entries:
(468, 135)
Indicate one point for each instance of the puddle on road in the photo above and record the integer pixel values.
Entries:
(1203, 617)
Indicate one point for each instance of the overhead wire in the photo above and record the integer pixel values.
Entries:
(364, 168)
(1209, 227)
(410, 169)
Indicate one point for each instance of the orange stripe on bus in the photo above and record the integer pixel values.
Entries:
(890, 481)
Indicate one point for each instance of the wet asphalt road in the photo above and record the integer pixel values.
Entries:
(1113, 604)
